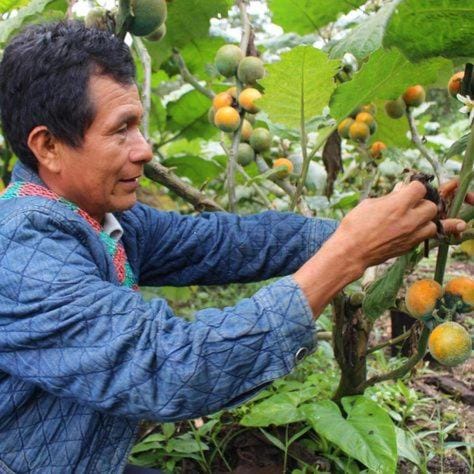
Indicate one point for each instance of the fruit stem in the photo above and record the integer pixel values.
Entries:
(390, 342)
(146, 87)
(415, 137)
(465, 178)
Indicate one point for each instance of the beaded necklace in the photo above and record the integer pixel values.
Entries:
(114, 248)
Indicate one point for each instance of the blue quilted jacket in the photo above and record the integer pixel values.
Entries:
(83, 359)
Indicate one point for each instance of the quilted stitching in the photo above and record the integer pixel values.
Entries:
(82, 358)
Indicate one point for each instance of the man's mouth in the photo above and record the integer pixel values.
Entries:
(130, 180)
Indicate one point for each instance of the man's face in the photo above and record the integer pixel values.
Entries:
(102, 175)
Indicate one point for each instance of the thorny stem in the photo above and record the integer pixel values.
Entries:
(188, 77)
(146, 87)
(465, 178)
(415, 137)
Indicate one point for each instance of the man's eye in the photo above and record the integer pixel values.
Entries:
(122, 130)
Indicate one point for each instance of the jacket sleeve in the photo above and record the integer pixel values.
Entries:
(220, 248)
(78, 337)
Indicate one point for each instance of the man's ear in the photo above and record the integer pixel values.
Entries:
(45, 147)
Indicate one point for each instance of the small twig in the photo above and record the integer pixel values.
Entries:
(69, 13)
(188, 77)
(285, 185)
(390, 342)
(146, 86)
(159, 173)
(256, 187)
(246, 26)
(416, 139)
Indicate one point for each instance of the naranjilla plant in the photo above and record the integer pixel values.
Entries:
(313, 119)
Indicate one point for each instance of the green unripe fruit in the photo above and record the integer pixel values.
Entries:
(395, 108)
(148, 15)
(158, 34)
(250, 70)
(227, 59)
(245, 154)
(260, 140)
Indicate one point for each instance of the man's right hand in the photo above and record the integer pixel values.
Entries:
(374, 231)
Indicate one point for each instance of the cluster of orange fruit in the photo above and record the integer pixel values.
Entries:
(359, 126)
(449, 342)
(413, 96)
(236, 108)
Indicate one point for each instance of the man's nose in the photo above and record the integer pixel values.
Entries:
(142, 149)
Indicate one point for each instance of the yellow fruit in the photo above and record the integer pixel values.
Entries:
(463, 288)
(250, 70)
(260, 140)
(454, 84)
(359, 131)
(227, 119)
(246, 130)
(232, 91)
(450, 344)
(343, 127)
(148, 15)
(395, 108)
(365, 117)
(370, 108)
(414, 96)
(247, 99)
(421, 297)
(288, 167)
(223, 99)
(468, 247)
(227, 59)
(376, 149)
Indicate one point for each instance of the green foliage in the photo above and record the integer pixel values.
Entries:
(367, 36)
(299, 86)
(306, 16)
(385, 76)
(368, 434)
(427, 28)
(393, 132)
(7, 5)
(197, 169)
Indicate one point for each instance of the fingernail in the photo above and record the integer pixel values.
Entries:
(461, 226)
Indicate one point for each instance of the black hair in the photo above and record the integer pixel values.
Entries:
(44, 78)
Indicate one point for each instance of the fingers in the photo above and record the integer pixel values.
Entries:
(453, 226)
(411, 194)
(425, 210)
(469, 198)
(449, 188)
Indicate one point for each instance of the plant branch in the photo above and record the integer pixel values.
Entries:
(286, 186)
(188, 77)
(69, 13)
(159, 173)
(391, 342)
(405, 368)
(146, 87)
(416, 139)
(246, 26)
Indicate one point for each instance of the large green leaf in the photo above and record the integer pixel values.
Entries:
(426, 28)
(368, 433)
(188, 25)
(33, 8)
(385, 76)
(306, 16)
(197, 169)
(188, 116)
(366, 37)
(299, 86)
(7, 5)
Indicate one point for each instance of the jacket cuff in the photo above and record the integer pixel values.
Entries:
(319, 231)
(289, 313)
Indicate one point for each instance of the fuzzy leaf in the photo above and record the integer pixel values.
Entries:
(385, 76)
(306, 16)
(366, 37)
(299, 86)
(7, 5)
(197, 169)
(368, 433)
(427, 28)
(382, 293)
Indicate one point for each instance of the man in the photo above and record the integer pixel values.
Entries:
(82, 356)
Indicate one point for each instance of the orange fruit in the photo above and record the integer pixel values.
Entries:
(288, 167)
(223, 99)
(227, 119)
(247, 99)
(414, 96)
(450, 344)
(359, 131)
(376, 149)
(422, 296)
(454, 84)
(343, 127)
(461, 288)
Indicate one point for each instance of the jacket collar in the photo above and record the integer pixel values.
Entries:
(21, 172)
